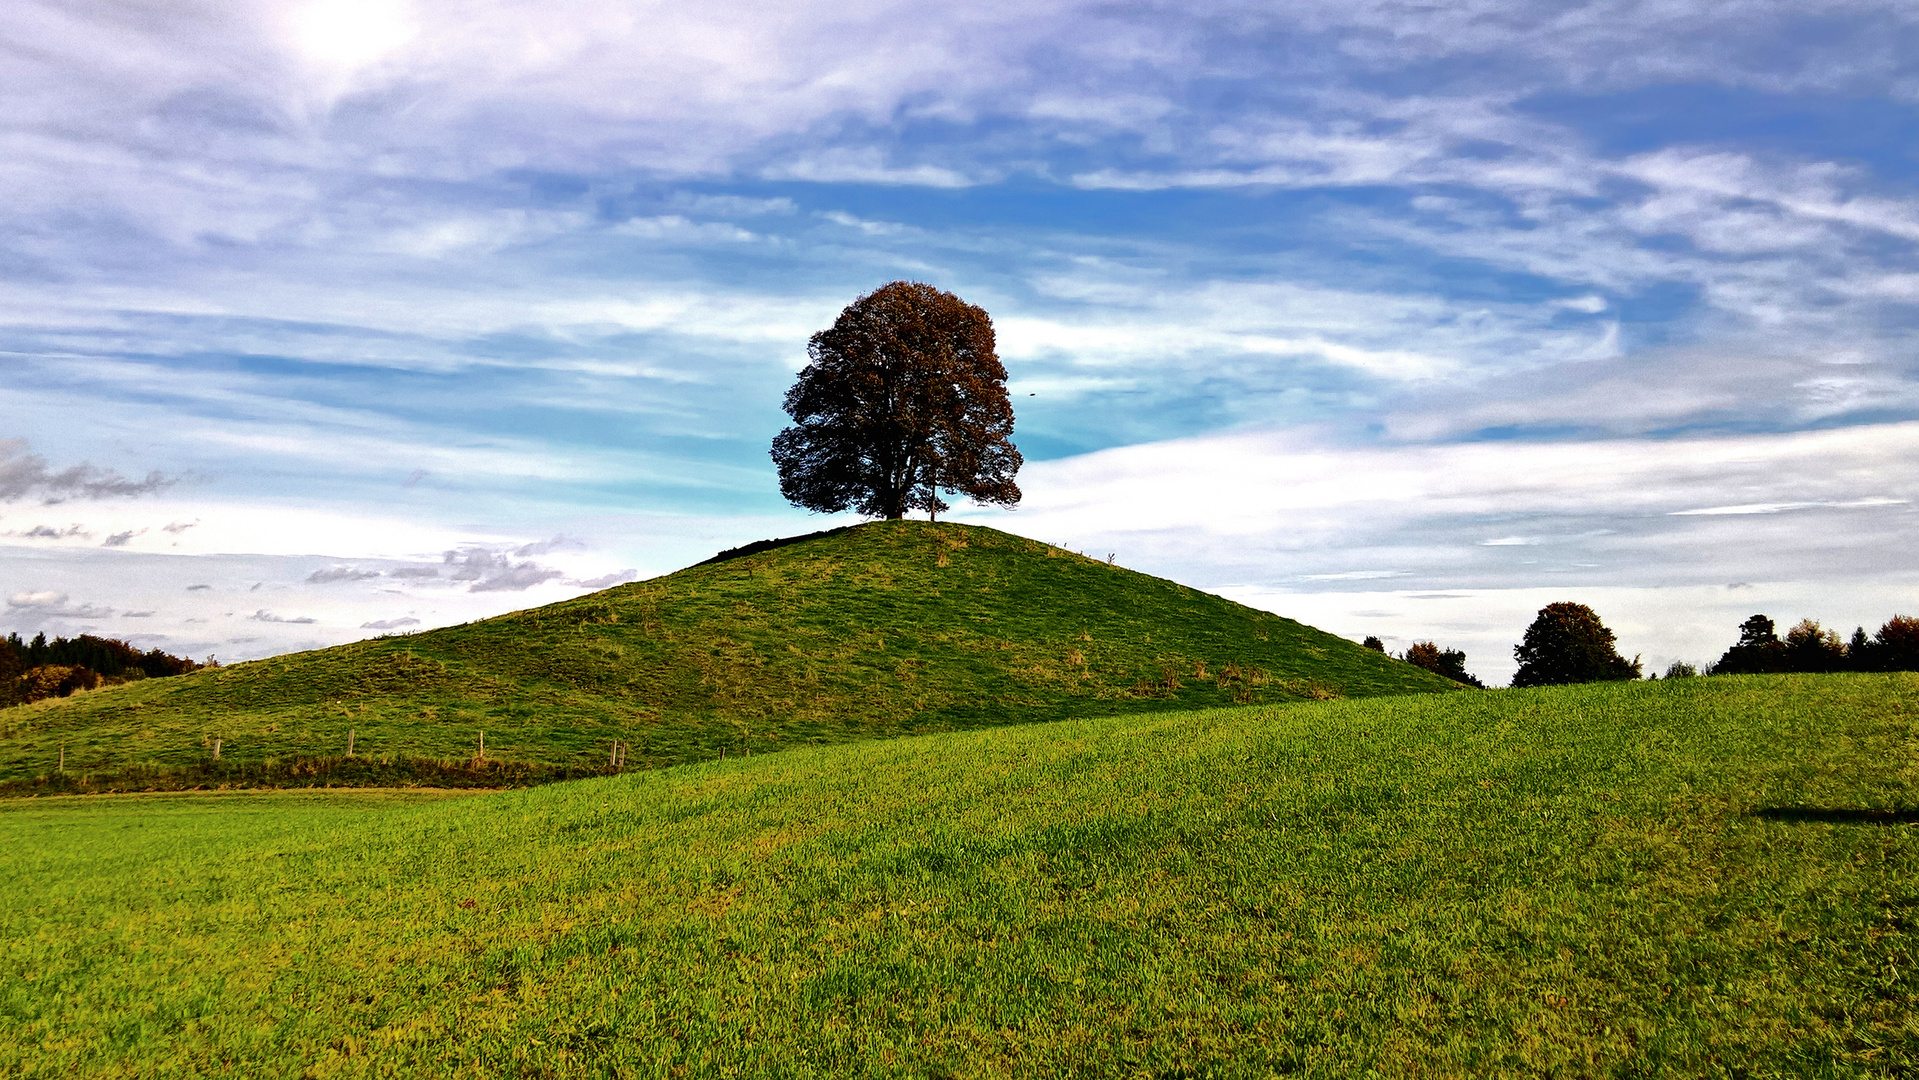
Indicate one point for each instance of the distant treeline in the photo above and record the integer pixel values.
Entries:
(1568, 643)
(1810, 647)
(32, 670)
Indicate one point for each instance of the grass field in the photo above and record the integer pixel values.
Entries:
(1706, 877)
(884, 629)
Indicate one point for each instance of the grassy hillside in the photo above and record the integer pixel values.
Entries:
(1708, 877)
(882, 629)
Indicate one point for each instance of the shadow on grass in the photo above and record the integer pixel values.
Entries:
(302, 772)
(758, 546)
(1837, 816)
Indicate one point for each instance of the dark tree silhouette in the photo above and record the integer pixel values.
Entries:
(1896, 646)
(1811, 647)
(904, 398)
(1859, 650)
(1568, 644)
(1448, 662)
(1757, 651)
(1373, 643)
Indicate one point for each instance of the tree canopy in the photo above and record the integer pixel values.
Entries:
(904, 398)
(1568, 644)
(1448, 662)
(1758, 650)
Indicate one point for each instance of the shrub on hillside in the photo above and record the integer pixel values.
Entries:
(51, 680)
(1448, 662)
(1679, 669)
(1568, 644)
(1373, 643)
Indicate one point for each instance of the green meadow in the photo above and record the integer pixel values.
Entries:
(884, 629)
(1705, 877)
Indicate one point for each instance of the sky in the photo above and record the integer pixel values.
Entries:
(327, 319)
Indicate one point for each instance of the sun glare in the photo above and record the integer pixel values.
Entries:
(351, 33)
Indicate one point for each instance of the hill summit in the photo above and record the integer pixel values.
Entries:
(878, 629)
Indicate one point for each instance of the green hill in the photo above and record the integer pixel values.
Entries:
(1688, 878)
(887, 628)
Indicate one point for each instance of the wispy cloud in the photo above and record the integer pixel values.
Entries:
(330, 574)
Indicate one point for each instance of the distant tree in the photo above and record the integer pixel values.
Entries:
(1568, 644)
(1448, 662)
(1859, 650)
(1373, 643)
(1757, 651)
(1896, 646)
(904, 398)
(1810, 647)
(1679, 669)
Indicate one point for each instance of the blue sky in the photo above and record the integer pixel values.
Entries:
(1397, 319)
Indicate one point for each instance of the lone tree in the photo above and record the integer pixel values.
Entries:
(1568, 644)
(904, 398)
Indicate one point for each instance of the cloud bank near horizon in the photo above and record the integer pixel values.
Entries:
(390, 280)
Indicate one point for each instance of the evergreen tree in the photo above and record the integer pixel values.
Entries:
(1859, 651)
(1757, 651)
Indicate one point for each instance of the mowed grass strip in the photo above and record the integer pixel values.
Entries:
(1707, 877)
(883, 629)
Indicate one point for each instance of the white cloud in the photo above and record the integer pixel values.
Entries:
(44, 599)
(1268, 509)
(48, 604)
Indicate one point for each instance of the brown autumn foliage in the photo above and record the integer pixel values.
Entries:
(905, 397)
(33, 670)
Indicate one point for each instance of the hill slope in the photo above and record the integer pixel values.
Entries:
(1694, 877)
(881, 629)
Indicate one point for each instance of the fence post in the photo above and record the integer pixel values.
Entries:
(349, 742)
(63, 759)
(482, 746)
(216, 749)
